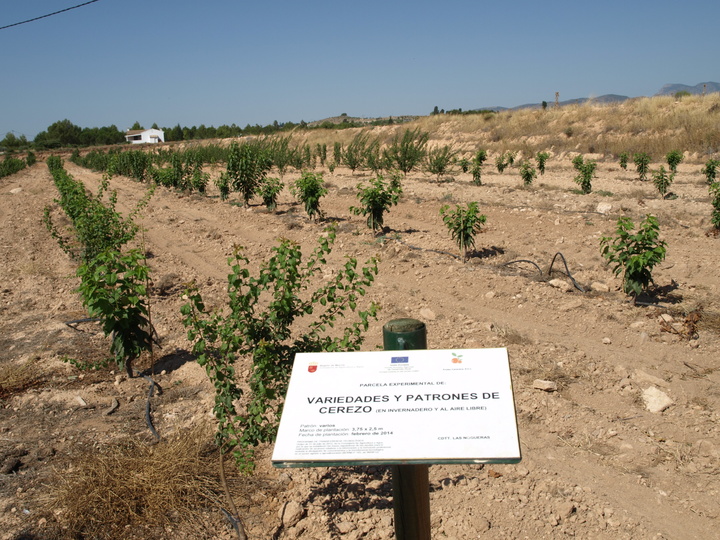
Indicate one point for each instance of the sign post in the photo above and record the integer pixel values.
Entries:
(407, 407)
(411, 484)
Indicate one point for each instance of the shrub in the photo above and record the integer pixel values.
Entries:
(586, 172)
(31, 158)
(464, 224)
(662, 180)
(271, 318)
(642, 165)
(247, 166)
(464, 164)
(376, 199)
(541, 158)
(710, 170)
(624, 157)
(439, 159)
(309, 189)
(113, 288)
(354, 155)
(270, 188)
(634, 253)
(527, 173)
(477, 162)
(715, 201)
(577, 162)
(409, 151)
(500, 163)
(674, 158)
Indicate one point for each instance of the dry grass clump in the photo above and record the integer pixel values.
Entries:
(15, 378)
(130, 487)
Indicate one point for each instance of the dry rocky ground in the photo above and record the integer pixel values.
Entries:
(597, 462)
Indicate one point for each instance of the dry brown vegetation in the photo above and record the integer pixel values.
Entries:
(654, 125)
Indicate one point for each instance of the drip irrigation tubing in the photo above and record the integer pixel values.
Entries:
(550, 270)
(148, 417)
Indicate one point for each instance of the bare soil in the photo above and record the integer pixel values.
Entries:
(596, 462)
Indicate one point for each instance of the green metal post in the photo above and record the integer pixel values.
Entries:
(411, 486)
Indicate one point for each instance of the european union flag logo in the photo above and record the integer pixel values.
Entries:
(399, 360)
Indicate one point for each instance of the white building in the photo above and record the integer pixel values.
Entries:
(140, 136)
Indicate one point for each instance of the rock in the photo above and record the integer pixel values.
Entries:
(641, 376)
(291, 513)
(598, 286)
(16, 190)
(563, 285)
(656, 401)
(427, 314)
(606, 341)
(603, 207)
(81, 401)
(345, 527)
(665, 317)
(490, 295)
(547, 386)
(569, 306)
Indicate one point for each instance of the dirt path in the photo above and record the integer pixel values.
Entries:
(596, 463)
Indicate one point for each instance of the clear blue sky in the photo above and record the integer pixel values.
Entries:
(222, 62)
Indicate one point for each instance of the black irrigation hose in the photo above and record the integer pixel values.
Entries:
(148, 418)
(567, 271)
(562, 257)
(76, 321)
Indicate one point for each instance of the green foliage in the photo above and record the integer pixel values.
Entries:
(31, 158)
(270, 188)
(710, 170)
(11, 165)
(337, 152)
(113, 288)
(270, 318)
(662, 180)
(439, 159)
(247, 166)
(528, 173)
(715, 201)
(477, 162)
(674, 158)
(96, 226)
(309, 190)
(500, 163)
(541, 158)
(464, 224)
(586, 172)
(464, 164)
(624, 157)
(409, 151)
(510, 157)
(642, 165)
(354, 155)
(577, 162)
(376, 199)
(634, 253)
(11, 143)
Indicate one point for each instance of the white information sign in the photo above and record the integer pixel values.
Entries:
(399, 407)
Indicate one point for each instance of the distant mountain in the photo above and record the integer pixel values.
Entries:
(667, 90)
(707, 87)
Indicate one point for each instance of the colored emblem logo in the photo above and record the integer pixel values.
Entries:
(399, 360)
(312, 368)
(456, 359)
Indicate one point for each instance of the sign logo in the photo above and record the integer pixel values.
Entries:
(456, 358)
(312, 368)
(399, 360)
